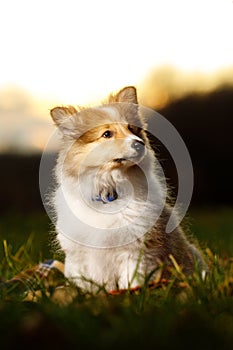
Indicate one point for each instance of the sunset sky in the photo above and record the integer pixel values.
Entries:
(76, 52)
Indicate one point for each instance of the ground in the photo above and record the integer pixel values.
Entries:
(181, 313)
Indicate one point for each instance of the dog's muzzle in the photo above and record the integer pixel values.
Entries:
(139, 147)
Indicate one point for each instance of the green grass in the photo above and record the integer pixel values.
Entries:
(214, 229)
(187, 313)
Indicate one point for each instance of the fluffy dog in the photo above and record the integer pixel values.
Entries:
(109, 201)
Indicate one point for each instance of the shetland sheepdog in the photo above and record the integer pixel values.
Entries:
(110, 203)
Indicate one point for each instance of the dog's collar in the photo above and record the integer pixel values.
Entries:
(109, 198)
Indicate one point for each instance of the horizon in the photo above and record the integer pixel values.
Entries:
(26, 125)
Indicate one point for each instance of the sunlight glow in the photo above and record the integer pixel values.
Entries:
(76, 52)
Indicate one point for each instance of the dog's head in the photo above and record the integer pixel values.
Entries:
(110, 136)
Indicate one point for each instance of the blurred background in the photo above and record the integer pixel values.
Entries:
(178, 54)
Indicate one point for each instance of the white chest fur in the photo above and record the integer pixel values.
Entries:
(103, 242)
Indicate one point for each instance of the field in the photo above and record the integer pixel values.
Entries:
(183, 313)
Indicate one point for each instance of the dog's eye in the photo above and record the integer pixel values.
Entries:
(107, 134)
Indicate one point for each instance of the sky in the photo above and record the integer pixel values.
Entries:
(76, 52)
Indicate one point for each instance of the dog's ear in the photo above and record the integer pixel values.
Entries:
(62, 116)
(127, 94)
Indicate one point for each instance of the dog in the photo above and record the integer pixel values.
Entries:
(110, 203)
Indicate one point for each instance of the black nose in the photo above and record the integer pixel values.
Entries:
(138, 146)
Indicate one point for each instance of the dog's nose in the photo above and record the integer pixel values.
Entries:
(138, 145)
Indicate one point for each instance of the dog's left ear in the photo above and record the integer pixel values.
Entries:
(128, 94)
(64, 120)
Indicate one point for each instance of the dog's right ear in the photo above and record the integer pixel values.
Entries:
(62, 116)
(127, 94)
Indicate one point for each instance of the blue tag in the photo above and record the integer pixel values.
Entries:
(109, 198)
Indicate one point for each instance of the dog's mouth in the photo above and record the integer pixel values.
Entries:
(119, 160)
(134, 159)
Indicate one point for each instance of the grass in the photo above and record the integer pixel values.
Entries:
(184, 313)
